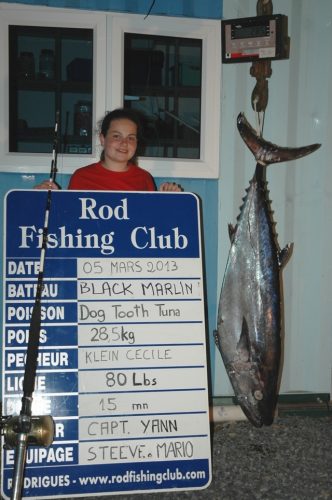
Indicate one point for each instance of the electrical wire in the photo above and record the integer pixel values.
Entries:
(151, 6)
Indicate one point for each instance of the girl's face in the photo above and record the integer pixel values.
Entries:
(119, 143)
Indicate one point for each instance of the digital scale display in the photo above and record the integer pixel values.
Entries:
(254, 38)
(239, 31)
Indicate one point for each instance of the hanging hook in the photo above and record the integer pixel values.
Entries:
(264, 7)
(261, 70)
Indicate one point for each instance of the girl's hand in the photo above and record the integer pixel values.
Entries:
(47, 185)
(170, 186)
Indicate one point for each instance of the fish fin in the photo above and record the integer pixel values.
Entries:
(243, 345)
(231, 231)
(266, 152)
(216, 339)
(285, 254)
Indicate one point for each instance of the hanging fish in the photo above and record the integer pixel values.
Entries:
(249, 315)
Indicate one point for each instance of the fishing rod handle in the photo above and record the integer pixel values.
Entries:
(20, 457)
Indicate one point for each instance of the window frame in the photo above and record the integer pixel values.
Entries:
(21, 15)
(108, 92)
(209, 32)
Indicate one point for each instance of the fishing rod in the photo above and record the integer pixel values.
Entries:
(24, 430)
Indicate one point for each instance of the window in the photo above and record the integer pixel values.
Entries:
(162, 80)
(171, 71)
(48, 62)
(50, 69)
(169, 68)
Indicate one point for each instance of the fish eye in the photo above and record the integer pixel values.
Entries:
(258, 395)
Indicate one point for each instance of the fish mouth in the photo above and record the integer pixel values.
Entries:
(258, 411)
(250, 411)
(256, 395)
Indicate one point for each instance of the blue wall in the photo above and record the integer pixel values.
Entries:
(207, 9)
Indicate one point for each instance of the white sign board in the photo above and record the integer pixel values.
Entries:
(122, 361)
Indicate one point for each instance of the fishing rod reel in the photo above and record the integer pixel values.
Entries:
(39, 430)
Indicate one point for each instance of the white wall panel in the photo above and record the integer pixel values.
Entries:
(298, 113)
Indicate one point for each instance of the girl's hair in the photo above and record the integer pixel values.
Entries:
(118, 114)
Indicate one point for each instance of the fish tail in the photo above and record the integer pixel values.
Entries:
(266, 152)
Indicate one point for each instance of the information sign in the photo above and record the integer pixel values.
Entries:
(122, 361)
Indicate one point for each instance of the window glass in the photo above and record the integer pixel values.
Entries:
(162, 80)
(50, 70)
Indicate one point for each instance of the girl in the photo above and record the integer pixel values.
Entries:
(117, 169)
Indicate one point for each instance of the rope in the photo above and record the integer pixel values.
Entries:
(259, 116)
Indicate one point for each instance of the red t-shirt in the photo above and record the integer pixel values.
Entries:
(96, 177)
